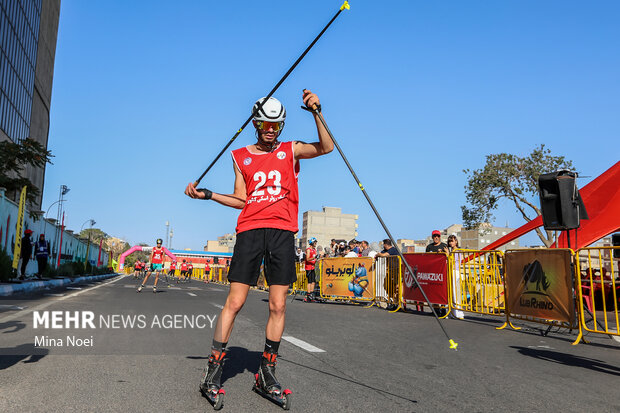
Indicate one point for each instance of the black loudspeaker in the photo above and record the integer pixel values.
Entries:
(560, 202)
(615, 241)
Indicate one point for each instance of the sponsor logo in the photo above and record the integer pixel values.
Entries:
(409, 277)
(281, 155)
(535, 282)
(247, 161)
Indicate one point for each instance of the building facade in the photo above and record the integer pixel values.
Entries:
(28, 30)
(328, 224)
(225, 243)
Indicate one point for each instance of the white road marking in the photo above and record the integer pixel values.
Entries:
(54, 295)
(10, 307)
(221, 307)
(216, 289)
(74, 288)
(45, 305)
(174, 288)
(192, 294)
(300, 343)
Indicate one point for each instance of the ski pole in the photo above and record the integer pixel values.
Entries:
(453, 344)
(345, 6)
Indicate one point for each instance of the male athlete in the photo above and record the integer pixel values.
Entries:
(157, 264)
(266, 192)
(310, 262)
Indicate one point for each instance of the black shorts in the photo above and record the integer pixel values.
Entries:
(275, 246)
(311, 276)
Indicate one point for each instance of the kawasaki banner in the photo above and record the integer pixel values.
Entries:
(431, 271)
(348, 278)
(539, 284)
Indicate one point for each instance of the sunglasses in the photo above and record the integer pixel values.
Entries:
(265, 125)
(436, 236)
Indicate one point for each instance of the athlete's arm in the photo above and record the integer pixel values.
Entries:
(234, 200)
(325, 144)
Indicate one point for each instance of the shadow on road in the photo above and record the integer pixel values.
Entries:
(238, 360)
(10, 356)
(12, 326)
(350, 381)
(569, 360)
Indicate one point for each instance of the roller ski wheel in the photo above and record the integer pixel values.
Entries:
(215, 397)
(210, 384)
(279, 397)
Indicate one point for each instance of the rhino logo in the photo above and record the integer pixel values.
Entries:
(533, 273)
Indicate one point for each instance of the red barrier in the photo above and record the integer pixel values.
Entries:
(431, 270)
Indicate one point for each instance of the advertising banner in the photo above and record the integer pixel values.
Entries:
(431, 271)
(539, 284)
(348, 278)
(18, 231)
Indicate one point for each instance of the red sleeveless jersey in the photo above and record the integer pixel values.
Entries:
(310, 258)
(271, 187)
(158, 255)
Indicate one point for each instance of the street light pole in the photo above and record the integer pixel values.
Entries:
(61, 198)
(92, 222)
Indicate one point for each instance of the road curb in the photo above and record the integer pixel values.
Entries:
(30, 286)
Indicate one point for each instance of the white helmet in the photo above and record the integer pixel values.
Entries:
(271, 111)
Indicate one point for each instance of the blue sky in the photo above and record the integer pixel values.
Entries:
(147, 93)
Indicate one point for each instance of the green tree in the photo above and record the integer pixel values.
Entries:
(511, 177)
(96, 235)
(14, 158)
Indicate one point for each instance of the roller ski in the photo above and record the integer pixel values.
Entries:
(210, 384)
(267, 385)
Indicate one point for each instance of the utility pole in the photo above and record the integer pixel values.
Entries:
(167, 234)
(170, 243)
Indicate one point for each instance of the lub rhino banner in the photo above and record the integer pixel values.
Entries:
(348, 277)
(431, 271)
(539, 284)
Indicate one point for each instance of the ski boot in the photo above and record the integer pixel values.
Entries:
(154, 289)
(267, 385)
(210, 385)
(309, 298)
(140, 288)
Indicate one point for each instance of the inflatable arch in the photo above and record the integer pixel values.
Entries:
(121, 261)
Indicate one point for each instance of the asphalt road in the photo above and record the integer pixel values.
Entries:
(371, 360)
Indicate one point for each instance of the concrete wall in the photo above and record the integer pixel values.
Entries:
(327, 224)
(73, 248)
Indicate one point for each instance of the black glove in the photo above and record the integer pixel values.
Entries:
(208, 194)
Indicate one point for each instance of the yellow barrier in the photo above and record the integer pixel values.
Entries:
(301, 285)
(388, 281)
(476, 283)
(539, 320)
(597, 279)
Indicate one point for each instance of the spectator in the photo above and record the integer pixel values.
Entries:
(333, 247)
(453, 245)
(42, 252)
(349, 253)
(365, 248)
(388, 249)
(26, 252)
(300, 255)
(437, 245)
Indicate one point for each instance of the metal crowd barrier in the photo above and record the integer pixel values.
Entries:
(476, 281)
(597, 285)
(388, 282)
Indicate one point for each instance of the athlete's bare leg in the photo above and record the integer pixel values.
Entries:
(156, 278)
(277, 311)
(234, 302)
(148, 274)
(310, 288)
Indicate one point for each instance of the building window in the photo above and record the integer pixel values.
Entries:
(19, 36)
